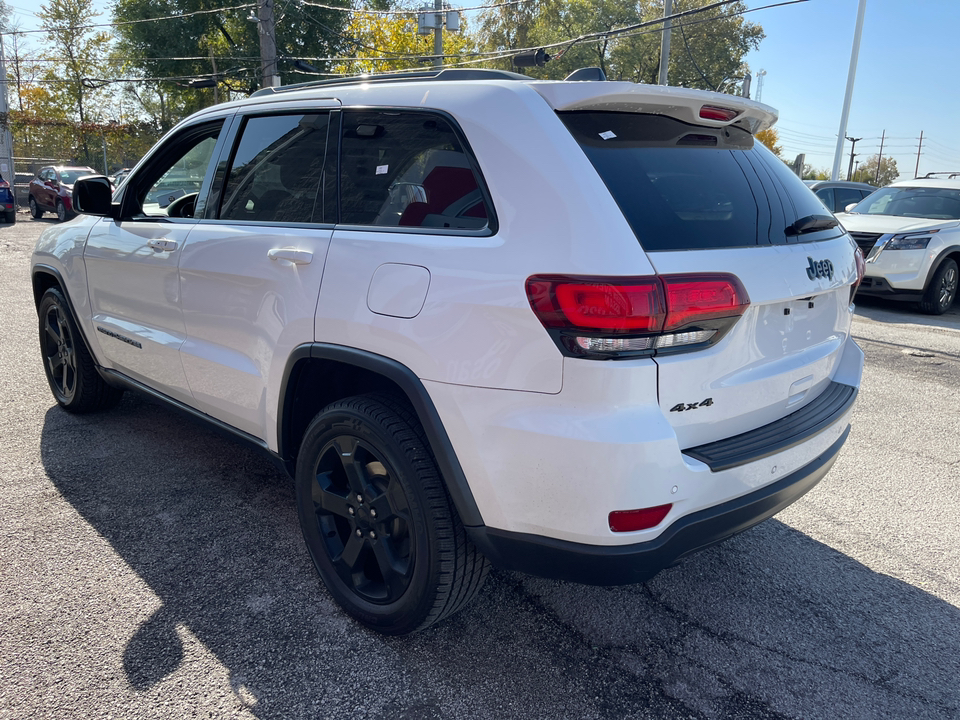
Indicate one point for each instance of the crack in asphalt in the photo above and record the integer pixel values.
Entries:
(744, 705)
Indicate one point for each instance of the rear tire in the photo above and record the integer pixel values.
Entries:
(11, 217)
(941, 290)
(35, 210)
(70, 369)
(377, 519)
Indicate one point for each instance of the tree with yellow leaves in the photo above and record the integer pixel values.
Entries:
(389, 42)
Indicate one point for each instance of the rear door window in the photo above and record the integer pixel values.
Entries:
(408, 169)
(826, 195)
(846, 196)
(683, 186)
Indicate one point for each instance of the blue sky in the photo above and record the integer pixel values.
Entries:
(907, 79)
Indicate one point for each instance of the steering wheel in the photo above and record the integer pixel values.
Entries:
(183, 206)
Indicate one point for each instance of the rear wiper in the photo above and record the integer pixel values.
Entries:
(811, 223)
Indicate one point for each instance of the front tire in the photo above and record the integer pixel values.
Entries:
(70, 369)
(35, 210)
(377, 520)
(941, 290)
(62, 215)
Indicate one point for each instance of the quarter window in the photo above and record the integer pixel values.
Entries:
(407, 169)
(276, 171)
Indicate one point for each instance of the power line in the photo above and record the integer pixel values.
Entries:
(136, 22)
(365, 11)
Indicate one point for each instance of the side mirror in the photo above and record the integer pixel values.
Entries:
(850, 207)
(93, 195)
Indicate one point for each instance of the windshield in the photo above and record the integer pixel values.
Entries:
(920, 202)
(70, 176)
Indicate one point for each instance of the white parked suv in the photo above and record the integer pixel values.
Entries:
(576, 329)
(909, 232)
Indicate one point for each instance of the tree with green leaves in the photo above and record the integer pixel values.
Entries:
(224, 44)
(708, 47)
(867, 172)
(78, 52)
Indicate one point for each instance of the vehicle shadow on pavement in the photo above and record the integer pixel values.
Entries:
(770, 624)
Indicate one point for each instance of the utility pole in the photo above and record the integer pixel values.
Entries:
(853, 144)
(760, 73)
(665, 41)
(876, 179)
(916, 173)
(6, 138)
(848, 95)
(438, 35)
(268, 43)
(434, 19)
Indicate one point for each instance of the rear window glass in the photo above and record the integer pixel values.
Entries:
(683, 186)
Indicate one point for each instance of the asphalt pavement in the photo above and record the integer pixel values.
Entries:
(150, 568)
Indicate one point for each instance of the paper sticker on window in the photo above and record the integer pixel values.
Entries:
(382, 169)
(609, 134)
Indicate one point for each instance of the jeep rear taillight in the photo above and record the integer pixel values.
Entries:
(623, 317)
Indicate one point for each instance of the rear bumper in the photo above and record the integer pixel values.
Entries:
(625, 564)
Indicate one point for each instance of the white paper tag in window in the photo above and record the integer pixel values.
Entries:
(608, 135)
(382, 169)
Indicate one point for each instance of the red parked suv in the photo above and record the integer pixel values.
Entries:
(52, 189)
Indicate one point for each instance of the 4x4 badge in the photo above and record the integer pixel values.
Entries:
(819, 268)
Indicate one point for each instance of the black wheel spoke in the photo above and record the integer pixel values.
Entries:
(327, 500)
(349, 449)
(351, 552)
(54, 335)
(55, 362)
(395, 572)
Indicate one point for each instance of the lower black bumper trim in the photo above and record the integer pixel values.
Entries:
(626, 564)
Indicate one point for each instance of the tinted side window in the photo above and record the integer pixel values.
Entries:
(276, 170)
(407, 169)
(826, 195)
(845, 196)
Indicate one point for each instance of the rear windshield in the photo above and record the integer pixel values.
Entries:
(931, 203)
(684, 187)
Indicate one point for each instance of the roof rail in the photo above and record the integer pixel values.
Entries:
(419, 76)
(951, 174)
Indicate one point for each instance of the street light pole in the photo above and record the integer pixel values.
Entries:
(848, 95)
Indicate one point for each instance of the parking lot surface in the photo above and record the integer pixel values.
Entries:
(152, 569)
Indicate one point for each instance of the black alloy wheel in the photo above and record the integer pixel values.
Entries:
(70, 369)
(59, 351)
(378, 522)
(364, 519)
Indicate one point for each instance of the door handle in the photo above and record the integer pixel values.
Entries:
(162, 245)
(297, 257)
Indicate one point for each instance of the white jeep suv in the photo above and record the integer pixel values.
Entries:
(909, 232)
(576, 329)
